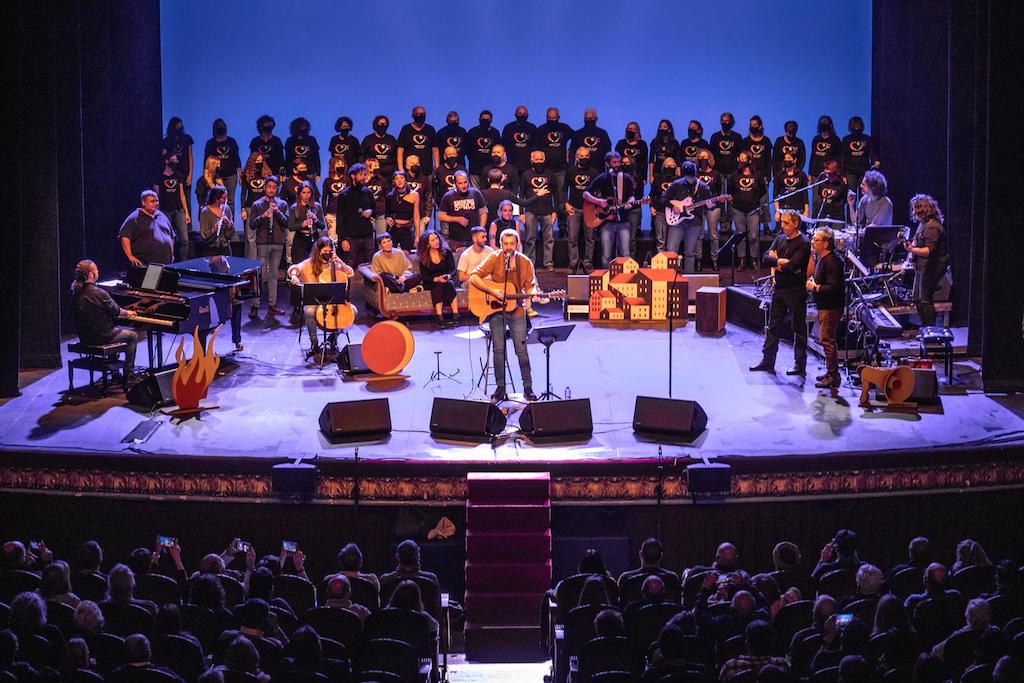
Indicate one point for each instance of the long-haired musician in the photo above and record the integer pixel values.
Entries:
(305, 221)
(317, 268)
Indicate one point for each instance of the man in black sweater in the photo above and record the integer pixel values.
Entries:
(478, 147)
(595, 139)
(519, 138)
(553, 138)
(788, 256)
(828, 286)
(356, 207)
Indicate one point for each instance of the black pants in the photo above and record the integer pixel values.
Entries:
(926, 281)
(393, 285)
(791, 300)
(360, 250)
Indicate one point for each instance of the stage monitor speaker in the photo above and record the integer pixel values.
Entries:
(364, 420)
(711, 310)
(294, 479)
(709, 479)
(455, 418)
(577, 288)
(153, 391)
(926, 387)
(557, 420)
(669, 417)
(350, 360)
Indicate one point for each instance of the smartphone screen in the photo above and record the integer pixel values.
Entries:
(166, 541)
(289, 546)
(843, 619)
(244, 546)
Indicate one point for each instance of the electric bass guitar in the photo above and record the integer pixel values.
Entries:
(675, 216)
(594, 216)
(483, 304)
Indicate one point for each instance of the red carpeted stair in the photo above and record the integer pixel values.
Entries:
(508, 564)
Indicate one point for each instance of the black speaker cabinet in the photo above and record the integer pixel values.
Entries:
(294, 479)
(350, 360)
(153, 391)
(926, 387)
(669, 417)
(556, 420)
(356, 420)
(458, 419)
(709, 479)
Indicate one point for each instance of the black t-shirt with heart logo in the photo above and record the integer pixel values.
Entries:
(451, 136)
(272, 150)
(419, 142)
(305, 148)
(689, 149)
(179, 144)
(663, 147)
(857, 155)
(379, 186)
(479, 141)
(252, 190)
(638, 152)
(782, 147)
(822, 150)
(577, 180)
(659, 186)
(519, 138)
(552, 139)
(444, 180)
(345, 146)
(725, 147)
(169, 188)
(786, 183)
(383, 148)
(594, 139)
(713, 179)
(333, 187)
(747, 190)
(760, 152)
(531, 182)
(509, 176)
(227, 151)
(833, 200)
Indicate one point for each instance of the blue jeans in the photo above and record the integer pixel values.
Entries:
(131, 339)
(748, 224)
(270, 255)
(575, 223)
(614, 235)
(634, 217)
(711, 218)
(688, 234)
(660, 229)
(231, 185)
(530, 243)
(518, 325)
(177, 219)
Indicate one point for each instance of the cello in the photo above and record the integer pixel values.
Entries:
(335, 317)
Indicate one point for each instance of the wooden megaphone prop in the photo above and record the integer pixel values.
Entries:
(897, 384)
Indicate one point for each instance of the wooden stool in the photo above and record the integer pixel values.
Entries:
(102, 358)
(710, 310)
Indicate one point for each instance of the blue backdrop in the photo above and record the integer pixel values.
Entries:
(638, 60)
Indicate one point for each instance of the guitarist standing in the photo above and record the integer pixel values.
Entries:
(612, 189)
(687, 193)
(509, 271)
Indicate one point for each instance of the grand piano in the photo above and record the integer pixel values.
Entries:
(181, 297)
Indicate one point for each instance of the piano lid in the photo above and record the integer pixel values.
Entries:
(233, 266)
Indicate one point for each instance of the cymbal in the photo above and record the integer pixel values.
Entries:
(827, 221)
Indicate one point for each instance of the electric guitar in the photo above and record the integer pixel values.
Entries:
(483, 304)
(675, 216)
(594, 216)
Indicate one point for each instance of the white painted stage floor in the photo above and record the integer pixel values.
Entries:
(269, 404)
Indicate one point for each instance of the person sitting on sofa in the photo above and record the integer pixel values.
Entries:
(391, 267)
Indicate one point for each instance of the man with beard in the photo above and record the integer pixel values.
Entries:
(789, 143)
(417, 138)
(452, 135)
(578, 179)
(858, 155)
(635, 214)
(519, 137)
(553, 138)
(612, 188)
(595, 139)
(268, 144)
(725, 145)
(694, 142)
(301, 146)
(460, 209)
(789, 256)
(356, 210)
(380, 145)
(481, 139)
(540, 209)
(344, 144)
(500, 162)
(760, 150)
(685, 191)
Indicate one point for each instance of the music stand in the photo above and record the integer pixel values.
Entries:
(548, 336)
(324, 294)
(733, 244)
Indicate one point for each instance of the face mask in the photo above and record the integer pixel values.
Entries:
(668, 171)
(345, 131)
(495, 159)
(380, 128)
(789, 164)
(485, 123)
(589, 123)
(824, 127)
(419, 118)
(414, 169)
(694, 133)
(538, 168)
(220, 130)
(703, 163)
(266, 128)
(663, 132)
(791, 131)
(727, 124)
(631, 135)
(304, 131)
(583, 162)
(743, 163)
(756, 130)
(552, 121)
(453, 122)
(521, 118)
(450, 161)
(178, 128)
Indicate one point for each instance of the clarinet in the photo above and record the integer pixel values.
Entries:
(311, 216)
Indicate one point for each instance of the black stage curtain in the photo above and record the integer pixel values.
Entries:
(945, 108)
(87, 141)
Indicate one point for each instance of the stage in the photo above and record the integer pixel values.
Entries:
(269, 398)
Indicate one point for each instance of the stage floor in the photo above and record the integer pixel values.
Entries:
(268, 405)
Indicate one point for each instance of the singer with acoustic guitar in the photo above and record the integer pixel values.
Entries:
(508, 276)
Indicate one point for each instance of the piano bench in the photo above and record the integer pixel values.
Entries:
(101, 358)
(938, 342)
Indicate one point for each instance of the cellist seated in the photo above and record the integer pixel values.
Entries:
(323, 265)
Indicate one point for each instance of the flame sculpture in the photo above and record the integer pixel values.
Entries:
(192, 379)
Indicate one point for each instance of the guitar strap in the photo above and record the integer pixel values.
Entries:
(618, 195)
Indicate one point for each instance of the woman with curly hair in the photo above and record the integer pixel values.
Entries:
(929, 254)
(437, 268)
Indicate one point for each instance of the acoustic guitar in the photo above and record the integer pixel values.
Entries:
(595, 216)
(483, 305)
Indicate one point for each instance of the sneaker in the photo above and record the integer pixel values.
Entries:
(274, 310)
(417, 288)
(763, 366)
(440, 323)
(239, 348)
(499, 395)
(818, 378)
(529, 395)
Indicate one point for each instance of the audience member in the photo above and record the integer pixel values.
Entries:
(55, 585)
(138, 656)
(339, 596)
(969, 554)
(839, 553)
(121, 589)
(759, 638)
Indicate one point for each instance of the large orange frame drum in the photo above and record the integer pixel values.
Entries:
(388, 347)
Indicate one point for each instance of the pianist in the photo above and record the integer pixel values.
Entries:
(95, 313)
(317, 268)
(146, 235)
